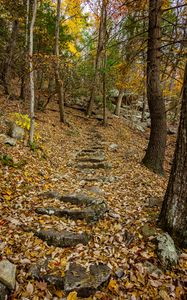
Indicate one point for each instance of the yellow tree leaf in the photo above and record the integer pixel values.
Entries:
(72, 296)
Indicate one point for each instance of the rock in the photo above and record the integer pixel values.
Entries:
(4, 292)
(50, 194)
(166, 251)
(119, 273)
(172, 131)
(7, 140)
(148, 231)
(84, 214)
(94, 159)
(99, 165)
(152, 268)
(8, 274)
(113, 147)
(62, 239)
(86, 282)
(78, 199)
(16, 131)
(155, 201)
(56, 281)
(10, 141)
(95, 190)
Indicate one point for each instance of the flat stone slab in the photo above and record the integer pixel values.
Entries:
(94, 159)
(62, 239)
(8, 274)
(4, 292)
(97, 165)
(86, 281)
(78, 199)
(50, 194)
(87, 214)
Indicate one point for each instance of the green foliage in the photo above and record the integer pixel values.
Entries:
(7, 160)
(23, 121)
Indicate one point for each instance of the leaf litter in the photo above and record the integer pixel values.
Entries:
(117, 239)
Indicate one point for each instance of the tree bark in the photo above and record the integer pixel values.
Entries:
(97, 62)
(59, 82)
(119, 103)
(32, 90)
(104, 60)
(9, 56)
(155, 153)
(173, 216)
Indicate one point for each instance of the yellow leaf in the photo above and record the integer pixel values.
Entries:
(72, 296)
(113, 286)
(59, 293)
(7, 197)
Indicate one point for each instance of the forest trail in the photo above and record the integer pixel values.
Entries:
(86, 180)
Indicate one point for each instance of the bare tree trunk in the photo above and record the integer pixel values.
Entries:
(174, 209)
(155, 152)
(59, 82)
(32, 90)
(9, 56)
(104, 60)
(119, 103)
(97, 62)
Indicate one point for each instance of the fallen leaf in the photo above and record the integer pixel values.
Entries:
(72, 296)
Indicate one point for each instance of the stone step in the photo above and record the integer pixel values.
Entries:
(86, 281)
(78, 199)
(91, 159)
(97, 165)
(62, 239)
(87, 214)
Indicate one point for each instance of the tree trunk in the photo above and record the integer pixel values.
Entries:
(173, 216)
(155, 152)
(32, 91)
(119, 102)
(9, 56)
(59, 83)
(104, 60)
(97, 62)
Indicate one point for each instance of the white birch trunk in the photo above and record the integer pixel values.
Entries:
(32, 91)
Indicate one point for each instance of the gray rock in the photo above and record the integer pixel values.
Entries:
(113, 147)
(78, 199)
(86, 282)
(56, 281)
(172, 131)
(7, 140)
(10, 141)
(99, 165)
(94, 158)
(8, 274)
(62, 239)
(119, 273)
(148, 231)
(16, 131)
(152, 269)
(155, 202)
(95, 190)
(4, 292)
(166, 251)
(50, 194)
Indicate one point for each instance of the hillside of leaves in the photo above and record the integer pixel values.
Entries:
(51, 165)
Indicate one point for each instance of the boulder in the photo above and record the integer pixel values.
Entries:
(62, 239)
(152, 269)
(16, 131)
(8, 274)
(7, 140)
(166, 251)
(86, 281)
(113, 147)
(4, 292)
(148, 231)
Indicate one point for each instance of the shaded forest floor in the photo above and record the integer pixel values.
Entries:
(53, 167)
